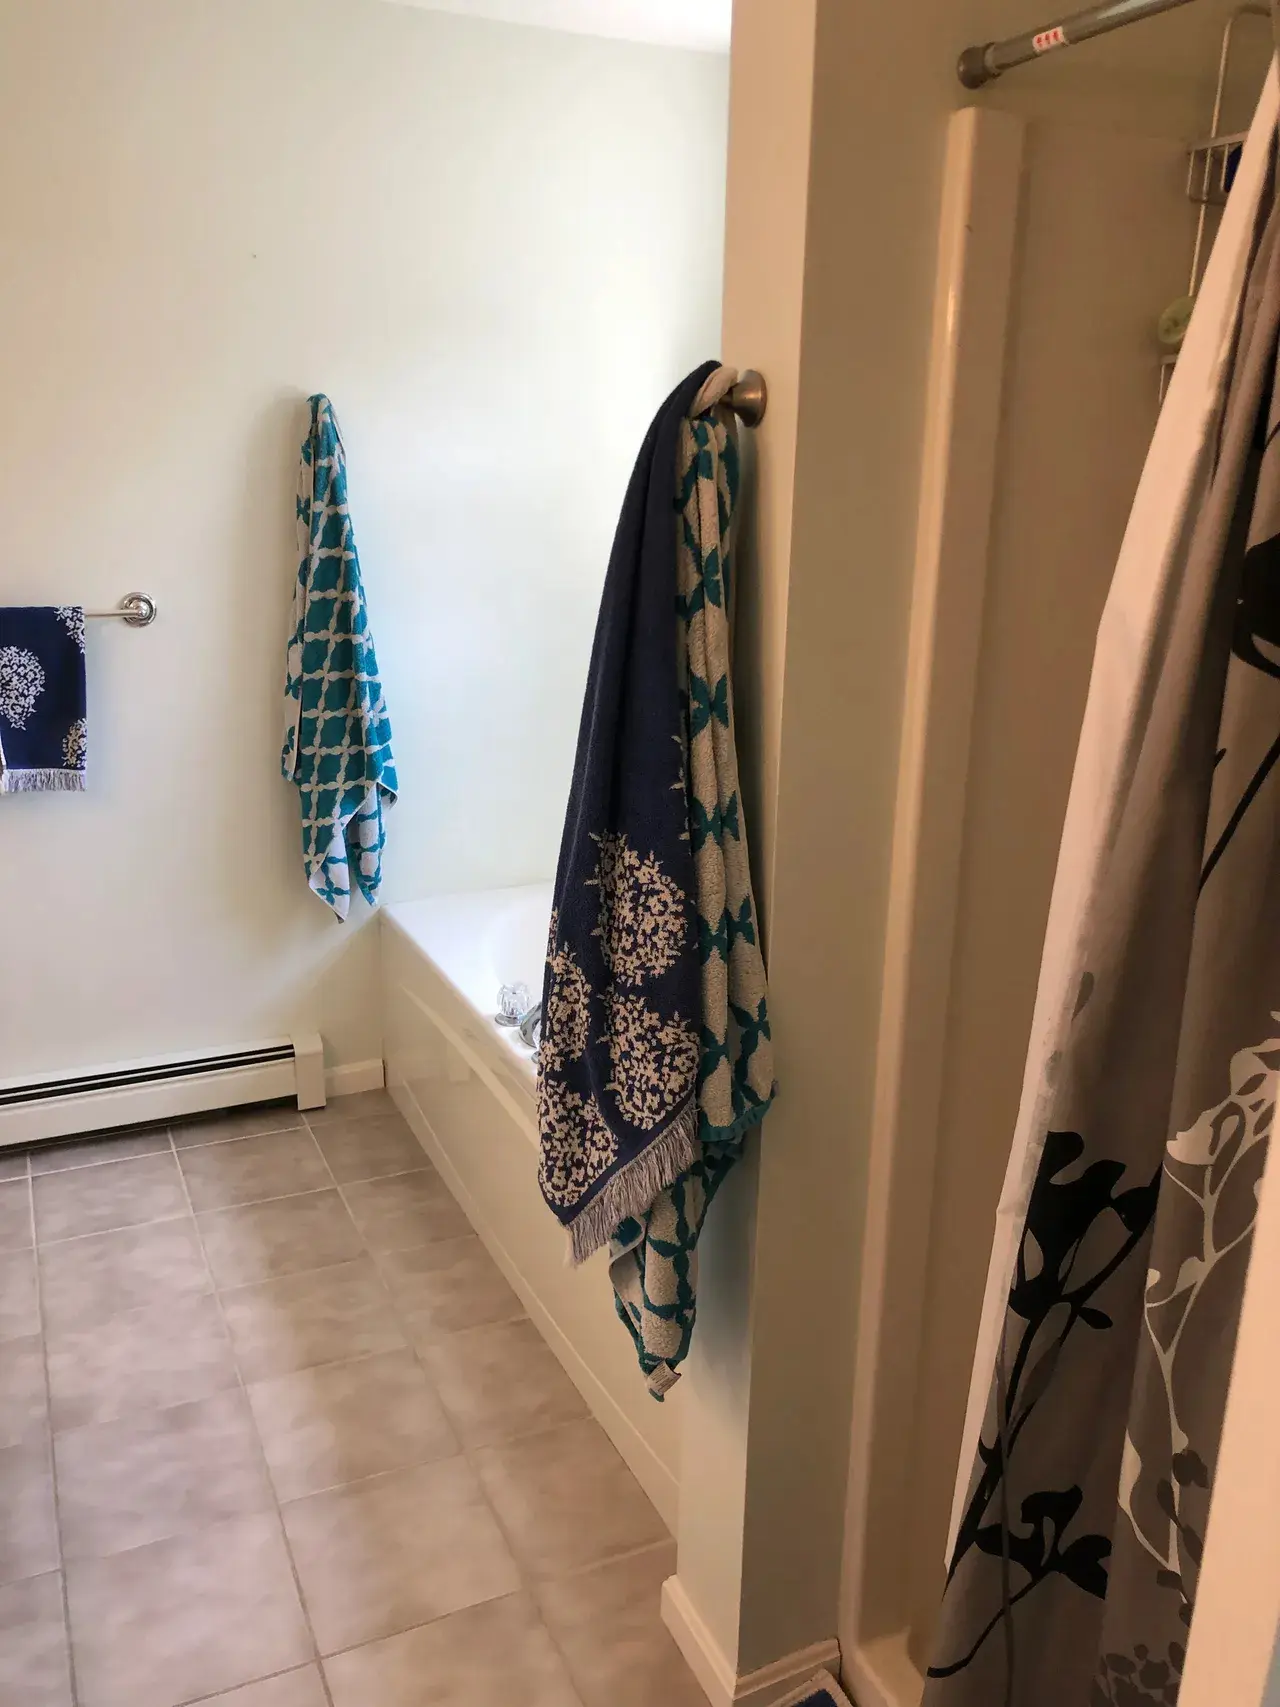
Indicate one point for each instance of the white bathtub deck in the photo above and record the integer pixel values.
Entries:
(478, 941)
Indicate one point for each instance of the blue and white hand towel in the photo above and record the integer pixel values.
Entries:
(42, 698)
(337, 746)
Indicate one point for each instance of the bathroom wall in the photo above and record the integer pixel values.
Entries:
(1105, 240)
(496, 248)
(837, 305)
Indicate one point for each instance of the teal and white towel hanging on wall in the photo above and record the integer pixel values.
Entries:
(337, 746)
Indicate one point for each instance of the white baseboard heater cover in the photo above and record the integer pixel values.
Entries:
(134, 1093)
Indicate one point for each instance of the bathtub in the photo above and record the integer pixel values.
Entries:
(467, 1087)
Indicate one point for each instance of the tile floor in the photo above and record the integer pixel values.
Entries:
(275, 1432)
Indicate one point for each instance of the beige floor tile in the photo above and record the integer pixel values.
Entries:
(19, 1307)
(383, 1555)
(34, 1668)
(250, 1170)
(15, 1215)
(261, 1241)
(362, 1105)
(443, 1287)
(28, 1533)
(608, 1626)
(166, 1353)
(87, 1281)
(322, 1427)
(373, 1148)
(236, 1123)
(495, 1655)
(566, 1499)
(122, 1484)
(291, 1689)
(24, 1407)
(13, 1164)
(501, 1382)
(187, 1617)
(110, 1147)
(410, 1209)
(327, 1316)
(103, 1198)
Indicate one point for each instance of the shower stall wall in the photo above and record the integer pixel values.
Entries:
(1060, 245)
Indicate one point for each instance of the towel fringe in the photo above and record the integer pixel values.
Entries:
(633, 1190)
(40, 781)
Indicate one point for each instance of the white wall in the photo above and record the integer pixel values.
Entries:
(840, 110)
(495, 248)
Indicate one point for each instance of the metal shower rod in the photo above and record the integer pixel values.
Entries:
(981, 65)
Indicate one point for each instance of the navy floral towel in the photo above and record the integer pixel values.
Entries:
(655, 1060)
(618, 1062)
(42, 698)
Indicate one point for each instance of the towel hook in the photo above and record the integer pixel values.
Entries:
(749, 398)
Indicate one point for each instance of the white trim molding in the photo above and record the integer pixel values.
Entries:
(352, 1077)
(976, 256)
(721, 1684)
(881, 1673)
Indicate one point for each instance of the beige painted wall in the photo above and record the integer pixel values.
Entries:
(208, 210)
(838, 110)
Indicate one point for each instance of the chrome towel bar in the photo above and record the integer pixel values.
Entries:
(134, 608)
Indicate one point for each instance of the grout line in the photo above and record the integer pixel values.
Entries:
(426, 1624)
(297, 1274)
(92, 1161)
(262, 1453)
(238, 1137)
(221, 1695)
(106, 1232)
(363, 1481)
(315, 1368)
(529, 1583)
(178, 1152)
(222, 1208)
(522, 1575)
(53, 1456)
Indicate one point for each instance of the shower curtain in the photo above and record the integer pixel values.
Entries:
(1124, 1231)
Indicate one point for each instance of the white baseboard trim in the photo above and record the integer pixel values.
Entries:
(648, 1469)
(354, 1076)
(721, 1684)
(882, 1673)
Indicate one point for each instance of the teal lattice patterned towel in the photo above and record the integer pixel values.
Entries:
(337, 746)
(654, 1258)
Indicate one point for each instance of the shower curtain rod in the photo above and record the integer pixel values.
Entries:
(983, 64)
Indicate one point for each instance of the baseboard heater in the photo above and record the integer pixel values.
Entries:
(137, 1093)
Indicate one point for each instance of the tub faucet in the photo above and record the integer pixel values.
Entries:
(513, 1004)
(515, 1009)
(531, 1027)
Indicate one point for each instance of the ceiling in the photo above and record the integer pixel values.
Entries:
(673, 23)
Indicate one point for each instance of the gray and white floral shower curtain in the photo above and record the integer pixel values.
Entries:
(1124, 1233)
